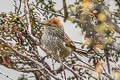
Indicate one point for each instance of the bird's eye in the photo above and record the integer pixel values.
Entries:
(49, 24)
(55, 22)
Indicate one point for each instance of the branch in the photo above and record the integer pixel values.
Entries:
(15, 5)
(28, 16)
(116, 46)
(19, 6)
(92, 68)
(71, 70)
(65, 9)
(29, 23)
(118, 2)
(17, 10)
(29, 58)
(81, 52)
(6, 75)
(109, 21)
(55, 13)
(107, 60)
(29, 70)
(29, 30)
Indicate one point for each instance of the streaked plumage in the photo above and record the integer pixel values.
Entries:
(54, 39)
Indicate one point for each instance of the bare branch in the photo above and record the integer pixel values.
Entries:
(29, 58)
(29, 23)
(65, 9)
(6, 76)
(19, 6)
(118, 2)
(15, 5)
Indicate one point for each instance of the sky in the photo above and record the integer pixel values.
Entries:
(73, 33)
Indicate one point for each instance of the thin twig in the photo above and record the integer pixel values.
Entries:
(71, 70)
(19, 6)
(15, 5)
(47, 11)
(65, 9)
(29, 58)
(118, 2)
(92, 68)
(28, 16)
(6, 75)
(29, 23)
(29, 30)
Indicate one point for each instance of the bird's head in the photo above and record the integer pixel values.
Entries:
(54, 22)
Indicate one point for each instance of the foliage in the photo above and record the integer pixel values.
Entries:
(20, 34)
(22, 77)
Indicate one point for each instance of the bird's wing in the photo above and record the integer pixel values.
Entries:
(63, 36)
(68, 41)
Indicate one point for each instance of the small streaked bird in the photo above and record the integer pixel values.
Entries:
(55, 40)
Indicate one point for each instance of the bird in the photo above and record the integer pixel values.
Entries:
(55, 40)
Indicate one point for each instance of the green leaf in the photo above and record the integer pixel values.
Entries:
(22, 77)
(111, 27)
(71, 19)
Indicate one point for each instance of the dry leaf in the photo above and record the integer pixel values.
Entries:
(87, 41)
(98, 47)
(86, 3)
